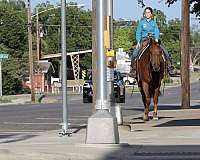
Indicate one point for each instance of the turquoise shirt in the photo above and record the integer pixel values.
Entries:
(146, 28)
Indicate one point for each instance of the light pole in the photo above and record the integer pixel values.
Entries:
(64, 67)
(65, 127)
(30, 50)
(102, 126)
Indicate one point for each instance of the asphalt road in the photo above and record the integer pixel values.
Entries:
(43, 117)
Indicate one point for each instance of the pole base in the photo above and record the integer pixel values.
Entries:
(102, 128)
(118, 114)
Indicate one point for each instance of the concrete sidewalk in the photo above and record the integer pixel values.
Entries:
(176, 135)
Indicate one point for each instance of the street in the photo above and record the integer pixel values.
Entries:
(43, 117)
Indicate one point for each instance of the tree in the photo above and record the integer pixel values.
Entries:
(160, 18)
(124, 37)
(13, 41)
(195, 5)
(171, 40)
(194, 46)
(79, 30)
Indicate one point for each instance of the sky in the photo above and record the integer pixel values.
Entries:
(130, 10)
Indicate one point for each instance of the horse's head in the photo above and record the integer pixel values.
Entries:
(155, 55)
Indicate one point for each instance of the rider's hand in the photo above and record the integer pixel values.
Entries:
(138, 45)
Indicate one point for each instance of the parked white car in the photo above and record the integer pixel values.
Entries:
(129, 80)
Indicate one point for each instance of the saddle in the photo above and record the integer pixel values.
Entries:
(144, 46)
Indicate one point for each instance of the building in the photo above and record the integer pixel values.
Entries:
(42, 80)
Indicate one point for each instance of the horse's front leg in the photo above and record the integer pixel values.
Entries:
(155, 101)
(146, 101)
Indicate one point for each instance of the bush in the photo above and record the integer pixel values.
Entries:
(168, 80)
(5, 100)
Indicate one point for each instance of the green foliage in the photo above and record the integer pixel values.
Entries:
(194, 5)
(194, 45)
(13, 37)
(168, 80)
(79, 30)
(13, 41)
(160, 18)
(5, 100)
(171, 40)
(124, 37)
(13, 30)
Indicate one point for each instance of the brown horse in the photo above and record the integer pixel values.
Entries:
(150, 72)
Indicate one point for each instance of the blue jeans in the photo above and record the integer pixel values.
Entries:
(135, 53)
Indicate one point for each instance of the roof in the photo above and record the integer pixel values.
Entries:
(45, 66)
(60, 54)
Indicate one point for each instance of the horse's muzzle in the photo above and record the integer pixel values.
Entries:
(156, 68)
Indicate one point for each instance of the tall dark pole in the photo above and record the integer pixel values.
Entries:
(1, 92)
(30, 50)
(185, 58)
(37, 35)
(94, 53)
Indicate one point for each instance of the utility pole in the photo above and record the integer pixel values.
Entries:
(1, 92)
(37, 35)
(185, 58)
(94, 53)
(30, 50)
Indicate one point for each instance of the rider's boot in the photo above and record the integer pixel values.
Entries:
(132, 72)
(170, 68)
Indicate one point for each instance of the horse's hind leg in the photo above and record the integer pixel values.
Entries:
(155, 101)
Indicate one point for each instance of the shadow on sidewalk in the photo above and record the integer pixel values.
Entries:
(16, 137)
(155, 152)
(77, 128)
(161, 107)
(182, 122)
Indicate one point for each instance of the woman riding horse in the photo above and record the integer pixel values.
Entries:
(148, 27)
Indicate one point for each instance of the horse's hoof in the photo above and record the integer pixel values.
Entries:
(145, 118)
(155, 118)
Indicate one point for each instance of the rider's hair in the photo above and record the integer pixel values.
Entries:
(149, 8)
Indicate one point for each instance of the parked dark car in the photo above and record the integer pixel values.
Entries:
(119, 89)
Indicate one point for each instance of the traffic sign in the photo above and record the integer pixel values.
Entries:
(110, 53)
(3, 55)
